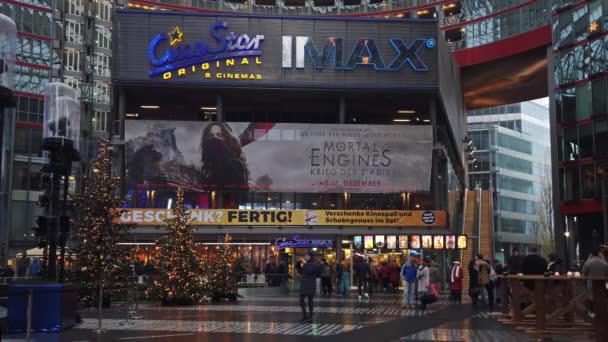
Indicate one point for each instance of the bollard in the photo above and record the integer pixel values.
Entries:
(99, 330)
(28, 333)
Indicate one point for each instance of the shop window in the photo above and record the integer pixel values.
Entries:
(599, 97)
(569, 105)
(571, 149)
(588, 180)
(601, 137)
(585, 133)
(583, 101)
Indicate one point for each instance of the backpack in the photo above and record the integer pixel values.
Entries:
(493, 276)
(325, 270)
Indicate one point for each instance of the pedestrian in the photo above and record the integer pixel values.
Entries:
(35, 267)
(385, 273)
(515, 262)
(23, 265)
(456, 275)
(394, 277)
(339, 274)
(533, 264)
(310, 271)
(423, 282)
(363, 273)
(408, 274)
(9, 272)
(326, 278)
(492, 284)
(595, 266)
(483, 275)
(345, 279)
(283, 274)
(500, 270)
(555, 264)
(473, 282)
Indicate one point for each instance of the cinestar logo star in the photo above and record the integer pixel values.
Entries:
(364, 52)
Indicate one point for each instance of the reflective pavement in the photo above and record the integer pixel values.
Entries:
(276, 318)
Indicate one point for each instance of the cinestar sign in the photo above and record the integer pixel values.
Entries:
(364, 52)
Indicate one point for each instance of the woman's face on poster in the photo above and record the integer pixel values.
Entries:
(216, 132)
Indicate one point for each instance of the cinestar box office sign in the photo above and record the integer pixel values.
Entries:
(190, 48)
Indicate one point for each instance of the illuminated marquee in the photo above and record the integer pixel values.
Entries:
(171, 57)
(364, 52)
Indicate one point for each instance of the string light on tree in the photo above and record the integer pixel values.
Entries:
(97, 258)
(179, 280)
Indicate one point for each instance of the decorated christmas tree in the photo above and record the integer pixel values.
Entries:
(179, 279)
(222, 283)
(97, 258)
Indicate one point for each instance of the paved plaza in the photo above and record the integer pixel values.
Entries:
(276, 318)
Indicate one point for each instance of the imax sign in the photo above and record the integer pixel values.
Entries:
(364, 52)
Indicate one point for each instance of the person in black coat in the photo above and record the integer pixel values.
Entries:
(533, 264)
(515, 262)
(363, 272)
(310, 271)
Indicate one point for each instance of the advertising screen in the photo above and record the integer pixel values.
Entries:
(403, 242)
(357, 243)
(438, 242)
(278, 157)
(427, 241)
(369, 242)
(414, 241)
(450, 242)
(380, 243)
(391, 241)
(462, 242)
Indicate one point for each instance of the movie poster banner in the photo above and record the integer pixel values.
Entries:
(278, 157)
(234, 217)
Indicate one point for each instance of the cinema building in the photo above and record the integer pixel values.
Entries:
(290, 133)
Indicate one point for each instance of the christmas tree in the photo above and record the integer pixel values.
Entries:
(97, 258)
(222, 283)
(179, 267)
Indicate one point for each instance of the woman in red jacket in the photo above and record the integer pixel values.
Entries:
(456, 275)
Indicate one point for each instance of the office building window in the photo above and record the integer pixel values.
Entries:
(104, 36)
(34, 51)
(30, 80)
(588, 180)
(581, 23)
(583, 103)
(74, 83)
(104, 10)
(103, 64)
(601, 137)
(571, 183)
(599, 95)
(565, 29)
(569, 105)
(599, 55)
(570, 144)
(72, 60)
(101, 92)
(582, 56)
(29, 109)
(100, 121)
(567, 63)
(75, 7)
(585, 139)
(73, 32)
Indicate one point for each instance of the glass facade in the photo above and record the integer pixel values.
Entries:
(513, 157)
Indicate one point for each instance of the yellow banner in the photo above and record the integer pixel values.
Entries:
(234, 217)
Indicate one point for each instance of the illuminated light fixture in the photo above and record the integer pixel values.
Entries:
(426, 120)
(462, 29)
(400, 15)
(406, 111)
(208, 108)
(417, 206)
(175, 36)
(132, 115)
(594, 26)
(401, 120)
(422, 12)
(149, 107)
(347, 241)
